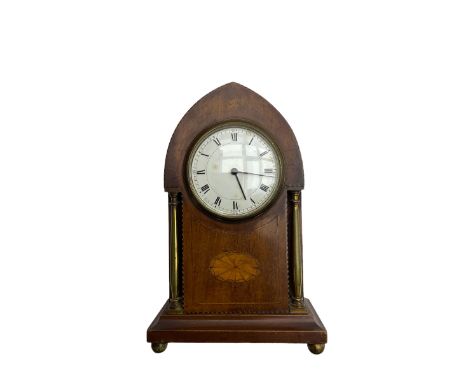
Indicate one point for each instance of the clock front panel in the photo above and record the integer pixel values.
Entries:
(235, 223)
(235, 267)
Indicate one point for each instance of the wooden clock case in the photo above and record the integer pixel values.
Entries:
(270, 307)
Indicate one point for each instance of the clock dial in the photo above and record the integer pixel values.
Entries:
(234, 171)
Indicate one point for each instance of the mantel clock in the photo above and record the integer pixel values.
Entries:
(234, 177)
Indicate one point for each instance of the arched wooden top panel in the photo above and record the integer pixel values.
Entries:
(232, 102)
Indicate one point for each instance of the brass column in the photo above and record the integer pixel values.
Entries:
(296, 252)
(175, 294)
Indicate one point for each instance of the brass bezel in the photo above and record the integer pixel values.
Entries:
(221, 126)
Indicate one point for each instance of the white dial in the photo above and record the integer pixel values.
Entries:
(234, 171)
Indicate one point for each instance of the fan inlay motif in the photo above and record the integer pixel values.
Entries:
(234, 267)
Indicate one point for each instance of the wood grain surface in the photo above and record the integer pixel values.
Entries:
(263, 238)
(289, 328)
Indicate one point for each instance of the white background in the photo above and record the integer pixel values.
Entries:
(90, 93)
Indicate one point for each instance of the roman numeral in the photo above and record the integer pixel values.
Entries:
(268, 171)
(206, 155)
(264, 188)
(251, 141)
(264, 153)
(201, 172)
(205, 188)
(234, 136)
(217, 201)
(234, 205)
(216, 140)
(253, 201)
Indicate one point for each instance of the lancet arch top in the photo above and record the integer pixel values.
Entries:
(232, 102)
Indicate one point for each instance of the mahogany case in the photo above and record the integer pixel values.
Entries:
(271, 306)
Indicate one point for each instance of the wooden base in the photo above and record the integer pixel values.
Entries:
(280, 328)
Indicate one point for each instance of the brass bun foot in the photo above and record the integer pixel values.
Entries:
(158, 347)
(316, 348)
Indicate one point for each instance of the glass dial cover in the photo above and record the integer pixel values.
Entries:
(234, 170)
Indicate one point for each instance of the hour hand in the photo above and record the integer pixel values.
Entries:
(234, 172)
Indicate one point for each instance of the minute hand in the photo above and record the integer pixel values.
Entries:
(239, 183)
(252, 173)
